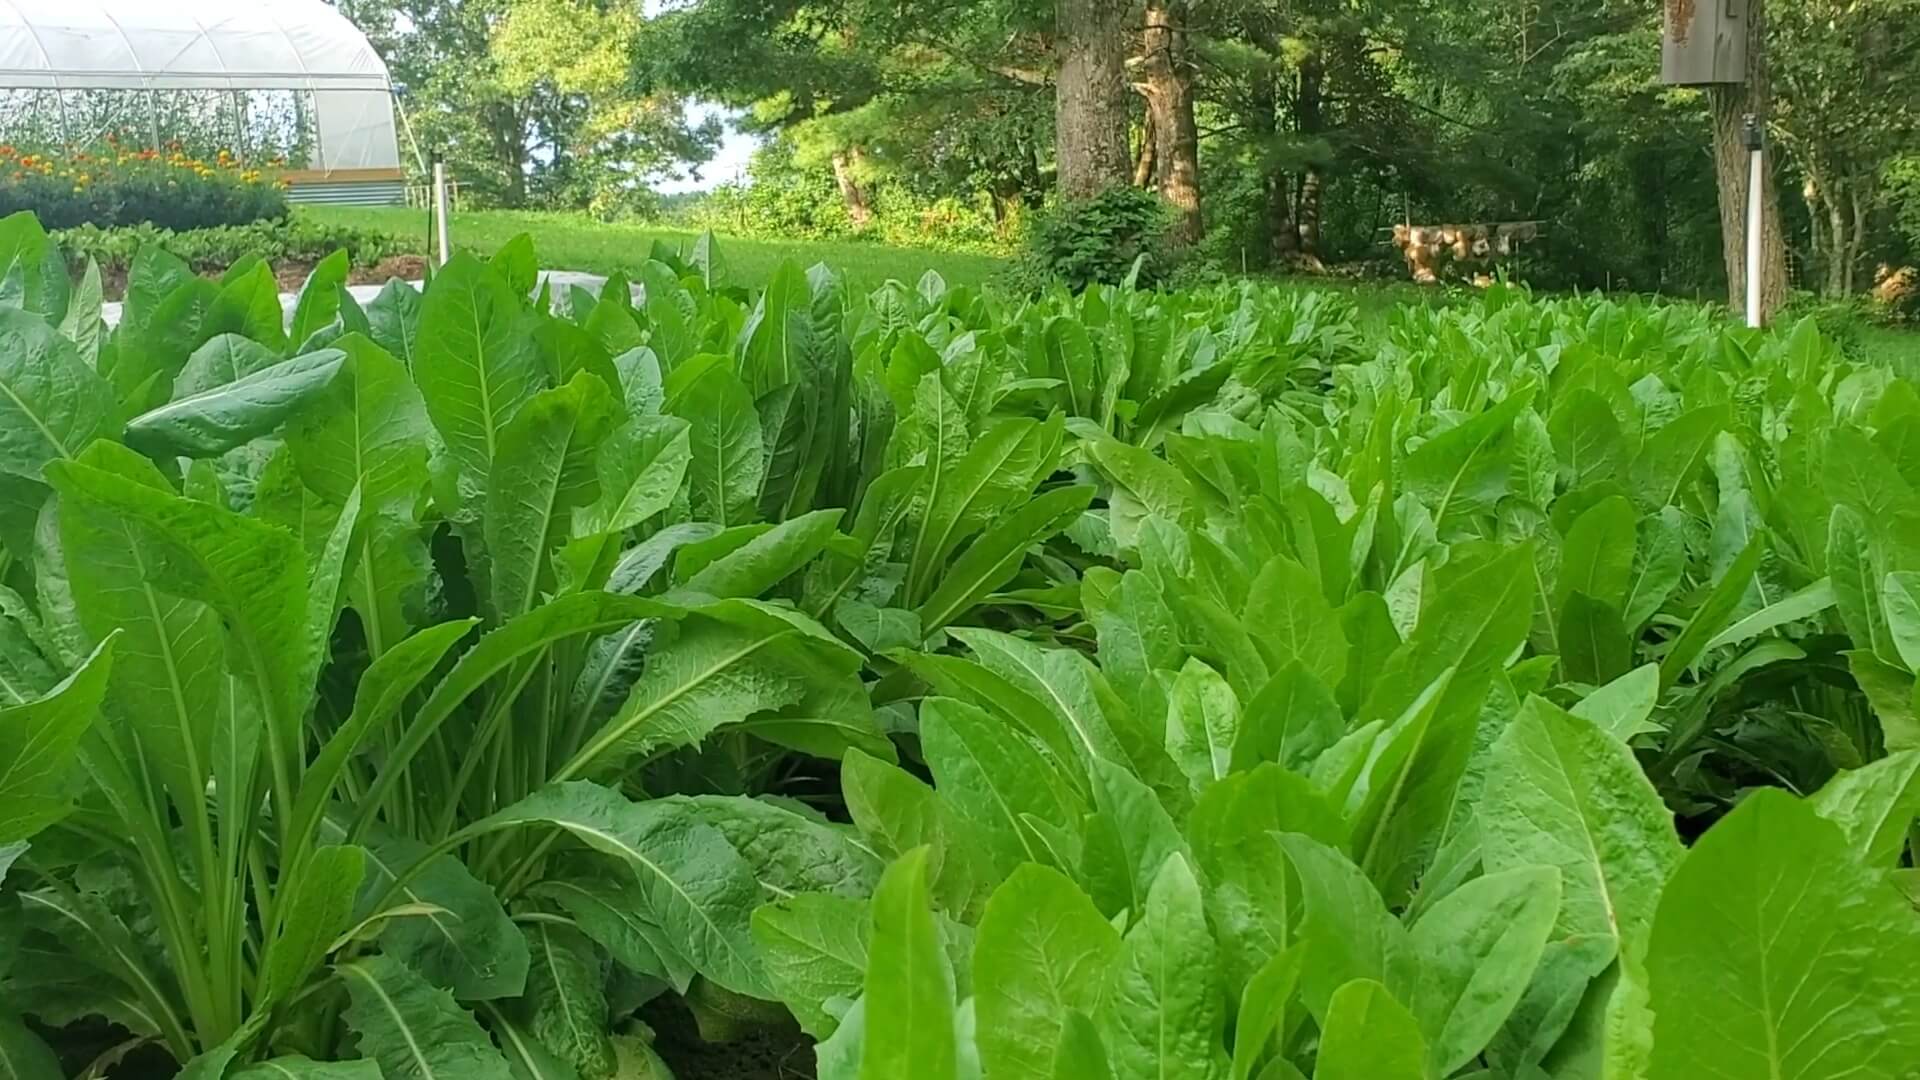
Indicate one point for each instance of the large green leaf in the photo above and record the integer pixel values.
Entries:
(319, 905)
(991, 777)
(1478, 948)
(413, 1030)
(1561, 792)
(909, 984)
(1164, 1010)
(474, 361)
(223, 417)
(690, 881)
(460, 938)
(51, 405)
(1042, 953)
(1874, 805)
(815, 951)
(1370, 1036)
(39, 742)
(724, 438)
(1776, 953)
(544, 472)
(566, 991)
(23, 1055)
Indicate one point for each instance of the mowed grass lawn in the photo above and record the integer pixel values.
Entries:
(577, 242)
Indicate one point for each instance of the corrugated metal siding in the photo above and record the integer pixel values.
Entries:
(350, 193)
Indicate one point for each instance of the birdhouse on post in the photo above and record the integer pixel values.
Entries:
(1705, 42)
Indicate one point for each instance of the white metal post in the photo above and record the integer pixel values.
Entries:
(1756, 181)
(440, 211)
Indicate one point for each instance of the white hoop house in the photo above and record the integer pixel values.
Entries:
(289, 80)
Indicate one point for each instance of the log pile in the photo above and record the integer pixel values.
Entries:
(1437, 251)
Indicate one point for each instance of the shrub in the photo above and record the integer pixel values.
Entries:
(1086, 241)
(169, 191)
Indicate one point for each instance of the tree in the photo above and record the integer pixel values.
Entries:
(1090, 96)
(1731, 106)
(1173, 135)
(1846, 107)
(527, 109)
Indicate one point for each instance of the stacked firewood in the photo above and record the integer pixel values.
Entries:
(1434, 252)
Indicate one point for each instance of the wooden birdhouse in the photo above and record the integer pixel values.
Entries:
(1705, 42)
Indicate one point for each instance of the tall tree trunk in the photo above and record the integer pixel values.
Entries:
(1835, 256)
(1090, 97)
(1145, 166)
(1862, 202)
(1306, 111)
(855, 196)
(1176, 138)
(1731, 105)
(1282, 235)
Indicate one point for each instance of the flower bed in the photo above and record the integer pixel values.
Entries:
(167, 189)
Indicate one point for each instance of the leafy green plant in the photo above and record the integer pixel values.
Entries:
(1118, 684)
(1117, 235)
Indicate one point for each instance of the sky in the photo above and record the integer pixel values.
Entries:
(730, 162)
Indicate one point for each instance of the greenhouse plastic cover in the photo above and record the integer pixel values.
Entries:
(184, 45)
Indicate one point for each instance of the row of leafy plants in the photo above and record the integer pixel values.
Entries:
(213, 250)
(167, 189)
(1121, 684)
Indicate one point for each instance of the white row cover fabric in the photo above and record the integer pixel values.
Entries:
(184, 45)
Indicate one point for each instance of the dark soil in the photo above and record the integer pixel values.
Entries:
(763, 1054)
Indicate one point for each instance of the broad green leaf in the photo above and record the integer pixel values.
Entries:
(726, 467)
(1043, 952)
(296, 1067)
(723, 664)
(691, 882)
(1235, 831)
(1291, 720)
(1129, 837)
(995, 474)
(608, 910)
(39, 742)
(1081, 1055)
(909, 984)
(543, 473)
(527, 1057)
(51, 405)
(251, 573)
(815, 950)
(393, 320)
(1804, 604)
(1566, 975)
(1164, 1010)
(994, 556)
(319, 302)
(413, 1030)
(23, 1055)
(1622, 707)
(517, 264)
(1670, 457)
(1874, 805)
(641, 466)
(474, 361)
(1776, 953)
(1370, 1036)
(224, 359)
(1262, 1010)
(790, 852)
(318, 907)
(1203, 724)
(1597, 557)
(464, 941)
(566, 991)
(1561, 792)
(1464, 470)
(369, 430)
(1901, 595)
(1713, 614)
(1478, 947)
(766, 560)
(990, 776)
(1292, 622)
